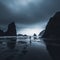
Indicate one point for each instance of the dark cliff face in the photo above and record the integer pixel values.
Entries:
(53, 27)
(11, 30)
(1, 33)
(41, 33)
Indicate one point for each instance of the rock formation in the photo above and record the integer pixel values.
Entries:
(53, 27)
(11, 31)
(11, 43)
(1, 33)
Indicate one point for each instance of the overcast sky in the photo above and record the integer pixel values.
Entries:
(27, 14)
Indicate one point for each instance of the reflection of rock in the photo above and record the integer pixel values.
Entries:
(11, 43)
(53, 27)
(52, 35)
(22, 42)
(1, 33)
(54, 51)
(11, 30)
(24, 51)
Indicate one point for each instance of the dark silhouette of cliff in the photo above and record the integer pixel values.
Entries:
(52, 35)
(11, 31)
(41, 33)
(1, 33)
(53, 27)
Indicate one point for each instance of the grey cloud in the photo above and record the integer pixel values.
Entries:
(28, 15)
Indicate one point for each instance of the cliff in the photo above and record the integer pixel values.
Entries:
(53, 27)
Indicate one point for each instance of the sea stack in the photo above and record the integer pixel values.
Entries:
(11, 31)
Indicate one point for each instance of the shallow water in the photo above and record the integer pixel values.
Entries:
(23, 49)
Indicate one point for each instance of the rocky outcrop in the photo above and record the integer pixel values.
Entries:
(11, 31)
(20, 35)
(41, 33)
(53, 27)
(11, 43)
(35, 36)
(1, 33)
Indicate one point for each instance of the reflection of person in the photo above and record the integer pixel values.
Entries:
(30, 39)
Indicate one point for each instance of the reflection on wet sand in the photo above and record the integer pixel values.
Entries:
(25, 49)
(11, 43)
